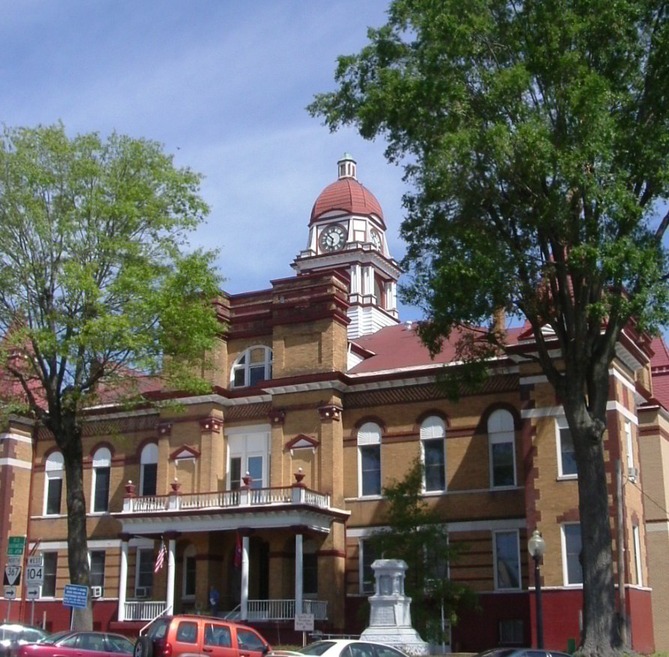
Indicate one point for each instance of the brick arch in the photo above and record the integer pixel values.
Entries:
(431, 412)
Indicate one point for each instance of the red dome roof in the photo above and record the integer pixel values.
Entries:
(349, 196)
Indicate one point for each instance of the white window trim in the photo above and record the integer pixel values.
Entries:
(189, 553)
(629, 445)
(502, 436)
(245, 442)
(268, 363)
(369, 438)
(495, 534)
(53, 469)
(101, 459)
(563, 547)
(636, 537)
(149, 456)
(561, 423)
(433, 428)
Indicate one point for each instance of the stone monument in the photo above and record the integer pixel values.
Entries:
(390, 614)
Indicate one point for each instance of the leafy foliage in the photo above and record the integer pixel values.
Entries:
(416, 534)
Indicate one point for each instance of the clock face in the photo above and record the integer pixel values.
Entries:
(333, 238)
(377, 241)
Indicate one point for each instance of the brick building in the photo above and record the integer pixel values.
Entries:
(270, 486)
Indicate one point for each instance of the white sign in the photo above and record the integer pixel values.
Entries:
(38, 561)
(34, 574)
(304, 622)
(10, 592)
(32, 592)
(14, 560)
(12, 575)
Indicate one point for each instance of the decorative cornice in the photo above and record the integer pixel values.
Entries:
(330, 412)
(211, 425)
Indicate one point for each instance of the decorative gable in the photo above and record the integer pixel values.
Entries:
(185, 453)
(302, 441)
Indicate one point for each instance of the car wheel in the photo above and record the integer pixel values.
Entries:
(143, 647)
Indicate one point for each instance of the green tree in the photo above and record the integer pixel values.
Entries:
(534, 135)
(96, 288)
(415, 533)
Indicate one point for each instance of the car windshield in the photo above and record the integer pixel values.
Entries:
(316, 648)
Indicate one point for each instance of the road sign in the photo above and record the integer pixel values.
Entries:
(34, 574)
(14, 560)
(10, 592)
(304, 622)
(32, 592)
(75, 595)
(16, 545)
(12, 575)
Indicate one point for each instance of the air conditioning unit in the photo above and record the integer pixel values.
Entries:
(142, 592)
(96, 591)
(632, 474)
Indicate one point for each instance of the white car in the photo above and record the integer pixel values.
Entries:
(342, 648)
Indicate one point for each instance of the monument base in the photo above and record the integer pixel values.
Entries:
(404, 638)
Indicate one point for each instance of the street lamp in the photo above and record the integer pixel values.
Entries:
(536, 547)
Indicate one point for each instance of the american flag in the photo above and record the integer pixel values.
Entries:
(160, 559)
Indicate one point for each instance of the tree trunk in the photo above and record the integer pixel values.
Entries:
(601, 629)
(68, 437)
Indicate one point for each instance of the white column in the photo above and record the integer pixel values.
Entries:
(244, 606)
(299, 569)
(123, 579)
(171, 573)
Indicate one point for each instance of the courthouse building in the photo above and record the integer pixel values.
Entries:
(270, 486)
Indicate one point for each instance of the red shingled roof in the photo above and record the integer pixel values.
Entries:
(349, 196)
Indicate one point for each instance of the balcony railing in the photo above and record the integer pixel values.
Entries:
(258, 610)
(229, 499)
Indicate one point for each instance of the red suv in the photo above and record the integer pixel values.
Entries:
(180, 635)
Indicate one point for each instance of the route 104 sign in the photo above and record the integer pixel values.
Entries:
(35, 571)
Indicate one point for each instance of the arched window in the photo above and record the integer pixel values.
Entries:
(433, 453)
(369, 459)
(101, 479)
(148, 475)
(252, 366)
(53, 484)
(501, 446)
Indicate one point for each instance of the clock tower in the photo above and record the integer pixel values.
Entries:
(347, 232)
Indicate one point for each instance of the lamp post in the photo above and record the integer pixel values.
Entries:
(536, 547)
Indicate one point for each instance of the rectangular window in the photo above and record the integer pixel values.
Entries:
(190, 566)
(235, 473)
(502, 461)
(370, 470)
(511, 632)
(637, 555)
(507, 560)
(101, 495)
(567, 461)
(249, 451)
(50, 569)
(571, 551)
(434, 463)
(144, 574)
(310, 573)
(367, 557)
(54, 493)
(98, 568)
(149, 479)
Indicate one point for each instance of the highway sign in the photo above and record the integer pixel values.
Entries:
(10, 592)
(75, 595)
(32, 592)
(34, 574)
(12, 575)
(16, 545)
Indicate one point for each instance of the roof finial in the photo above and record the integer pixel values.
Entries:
(347, 167)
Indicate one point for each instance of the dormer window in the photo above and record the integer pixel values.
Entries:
(252, 366)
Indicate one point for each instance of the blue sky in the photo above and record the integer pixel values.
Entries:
(223, 85)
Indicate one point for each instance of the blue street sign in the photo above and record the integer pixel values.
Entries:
(75, 595)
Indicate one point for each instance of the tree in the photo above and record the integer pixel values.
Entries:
(534, 135)
(416, 534)
(97, 294)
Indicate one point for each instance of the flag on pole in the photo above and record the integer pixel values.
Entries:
(160, 559)
(238, 552)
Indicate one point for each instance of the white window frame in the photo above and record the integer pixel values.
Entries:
(501, 431)
(629, 445)
(361, 568)
(149, 456)
(561, 424)
(495, 536)
(101, 460)
(246, 443)
(138, 560)
(247, 365)
(369, 436)
(433, 429)
(636, 538)
(565, 556)
(54, 469)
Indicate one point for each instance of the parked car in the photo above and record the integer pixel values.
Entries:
(14, 635)
(174, 636)
(342, 648)
(521, 652)
(81, 644)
